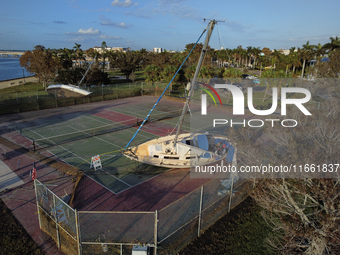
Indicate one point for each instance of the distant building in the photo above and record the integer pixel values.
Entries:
(285, 52)
(157, 50)
(121, 49)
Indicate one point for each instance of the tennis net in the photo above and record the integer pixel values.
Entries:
(51, 141)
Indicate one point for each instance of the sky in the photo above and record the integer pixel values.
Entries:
(167, 24)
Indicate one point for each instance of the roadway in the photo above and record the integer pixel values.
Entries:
(16, 82)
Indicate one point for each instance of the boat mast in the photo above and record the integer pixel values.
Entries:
(185, 108)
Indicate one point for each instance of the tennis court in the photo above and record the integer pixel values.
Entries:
(78, 136)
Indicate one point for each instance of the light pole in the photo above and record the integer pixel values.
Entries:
(23, 73)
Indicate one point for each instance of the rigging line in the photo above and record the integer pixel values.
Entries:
(147, 116)
(220, 39)
(86, 72)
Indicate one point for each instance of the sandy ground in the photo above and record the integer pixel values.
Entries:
(16, 82)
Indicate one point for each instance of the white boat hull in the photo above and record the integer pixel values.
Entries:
(189, 151)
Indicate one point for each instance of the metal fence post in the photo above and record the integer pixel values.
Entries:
(200, 212)
(36, 197)
(56, 224)
(231, 192)
(77, 231)
(155, 232)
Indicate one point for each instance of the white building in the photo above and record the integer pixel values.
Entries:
(121, 49)
(157, 50)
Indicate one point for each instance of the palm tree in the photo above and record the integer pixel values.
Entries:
(206, 72)
(235, 76)
(249, 54)
(306, 53)
(294, 58)
(230, 55)
(78, 54)
(152, 73)
(256, 53)
(104, 53)
(66, 58)
(333, 45)
(276, 56)
(319, 50)
(168, 72)
(190, 72)
(267, 74)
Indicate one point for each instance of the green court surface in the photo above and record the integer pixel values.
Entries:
(74, 139)
(118, 173)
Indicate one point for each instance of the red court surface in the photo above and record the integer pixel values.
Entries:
(153, 194)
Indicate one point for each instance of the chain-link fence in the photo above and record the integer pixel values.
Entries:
(39, 100)
(165, 231)
(57, 219)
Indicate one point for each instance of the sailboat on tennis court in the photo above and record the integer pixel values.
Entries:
(187, 149)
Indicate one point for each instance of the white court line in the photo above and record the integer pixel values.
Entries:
(119, 179)
(108, 172)
(111, 122)
(58, 145)
(117, 122)
(100, 184)
(96, 137)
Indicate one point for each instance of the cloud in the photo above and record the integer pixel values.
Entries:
(234, 26)
(97, 10)
(124, 3)
(81, 32)
(138, 14)
(105, 36)
(109, 22)
(113, 24)
(89, 31)
(59, 22)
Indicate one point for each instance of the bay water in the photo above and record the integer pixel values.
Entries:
(11, 69)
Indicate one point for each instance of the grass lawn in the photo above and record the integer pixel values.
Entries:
(27, 87)
(13, 237)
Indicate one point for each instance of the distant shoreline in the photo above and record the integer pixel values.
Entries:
(14, 79)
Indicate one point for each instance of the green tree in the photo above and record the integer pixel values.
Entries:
(104, 53)
(234, 75)
(78, 54)
(331, 68)
(333, 45)
(41, 62)
(168, 72)
(206, 72)
(152, 73)
(190, 72)
(92, 53)
(265, 77)
(127, 62)
(256, 53)
(306, 53)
